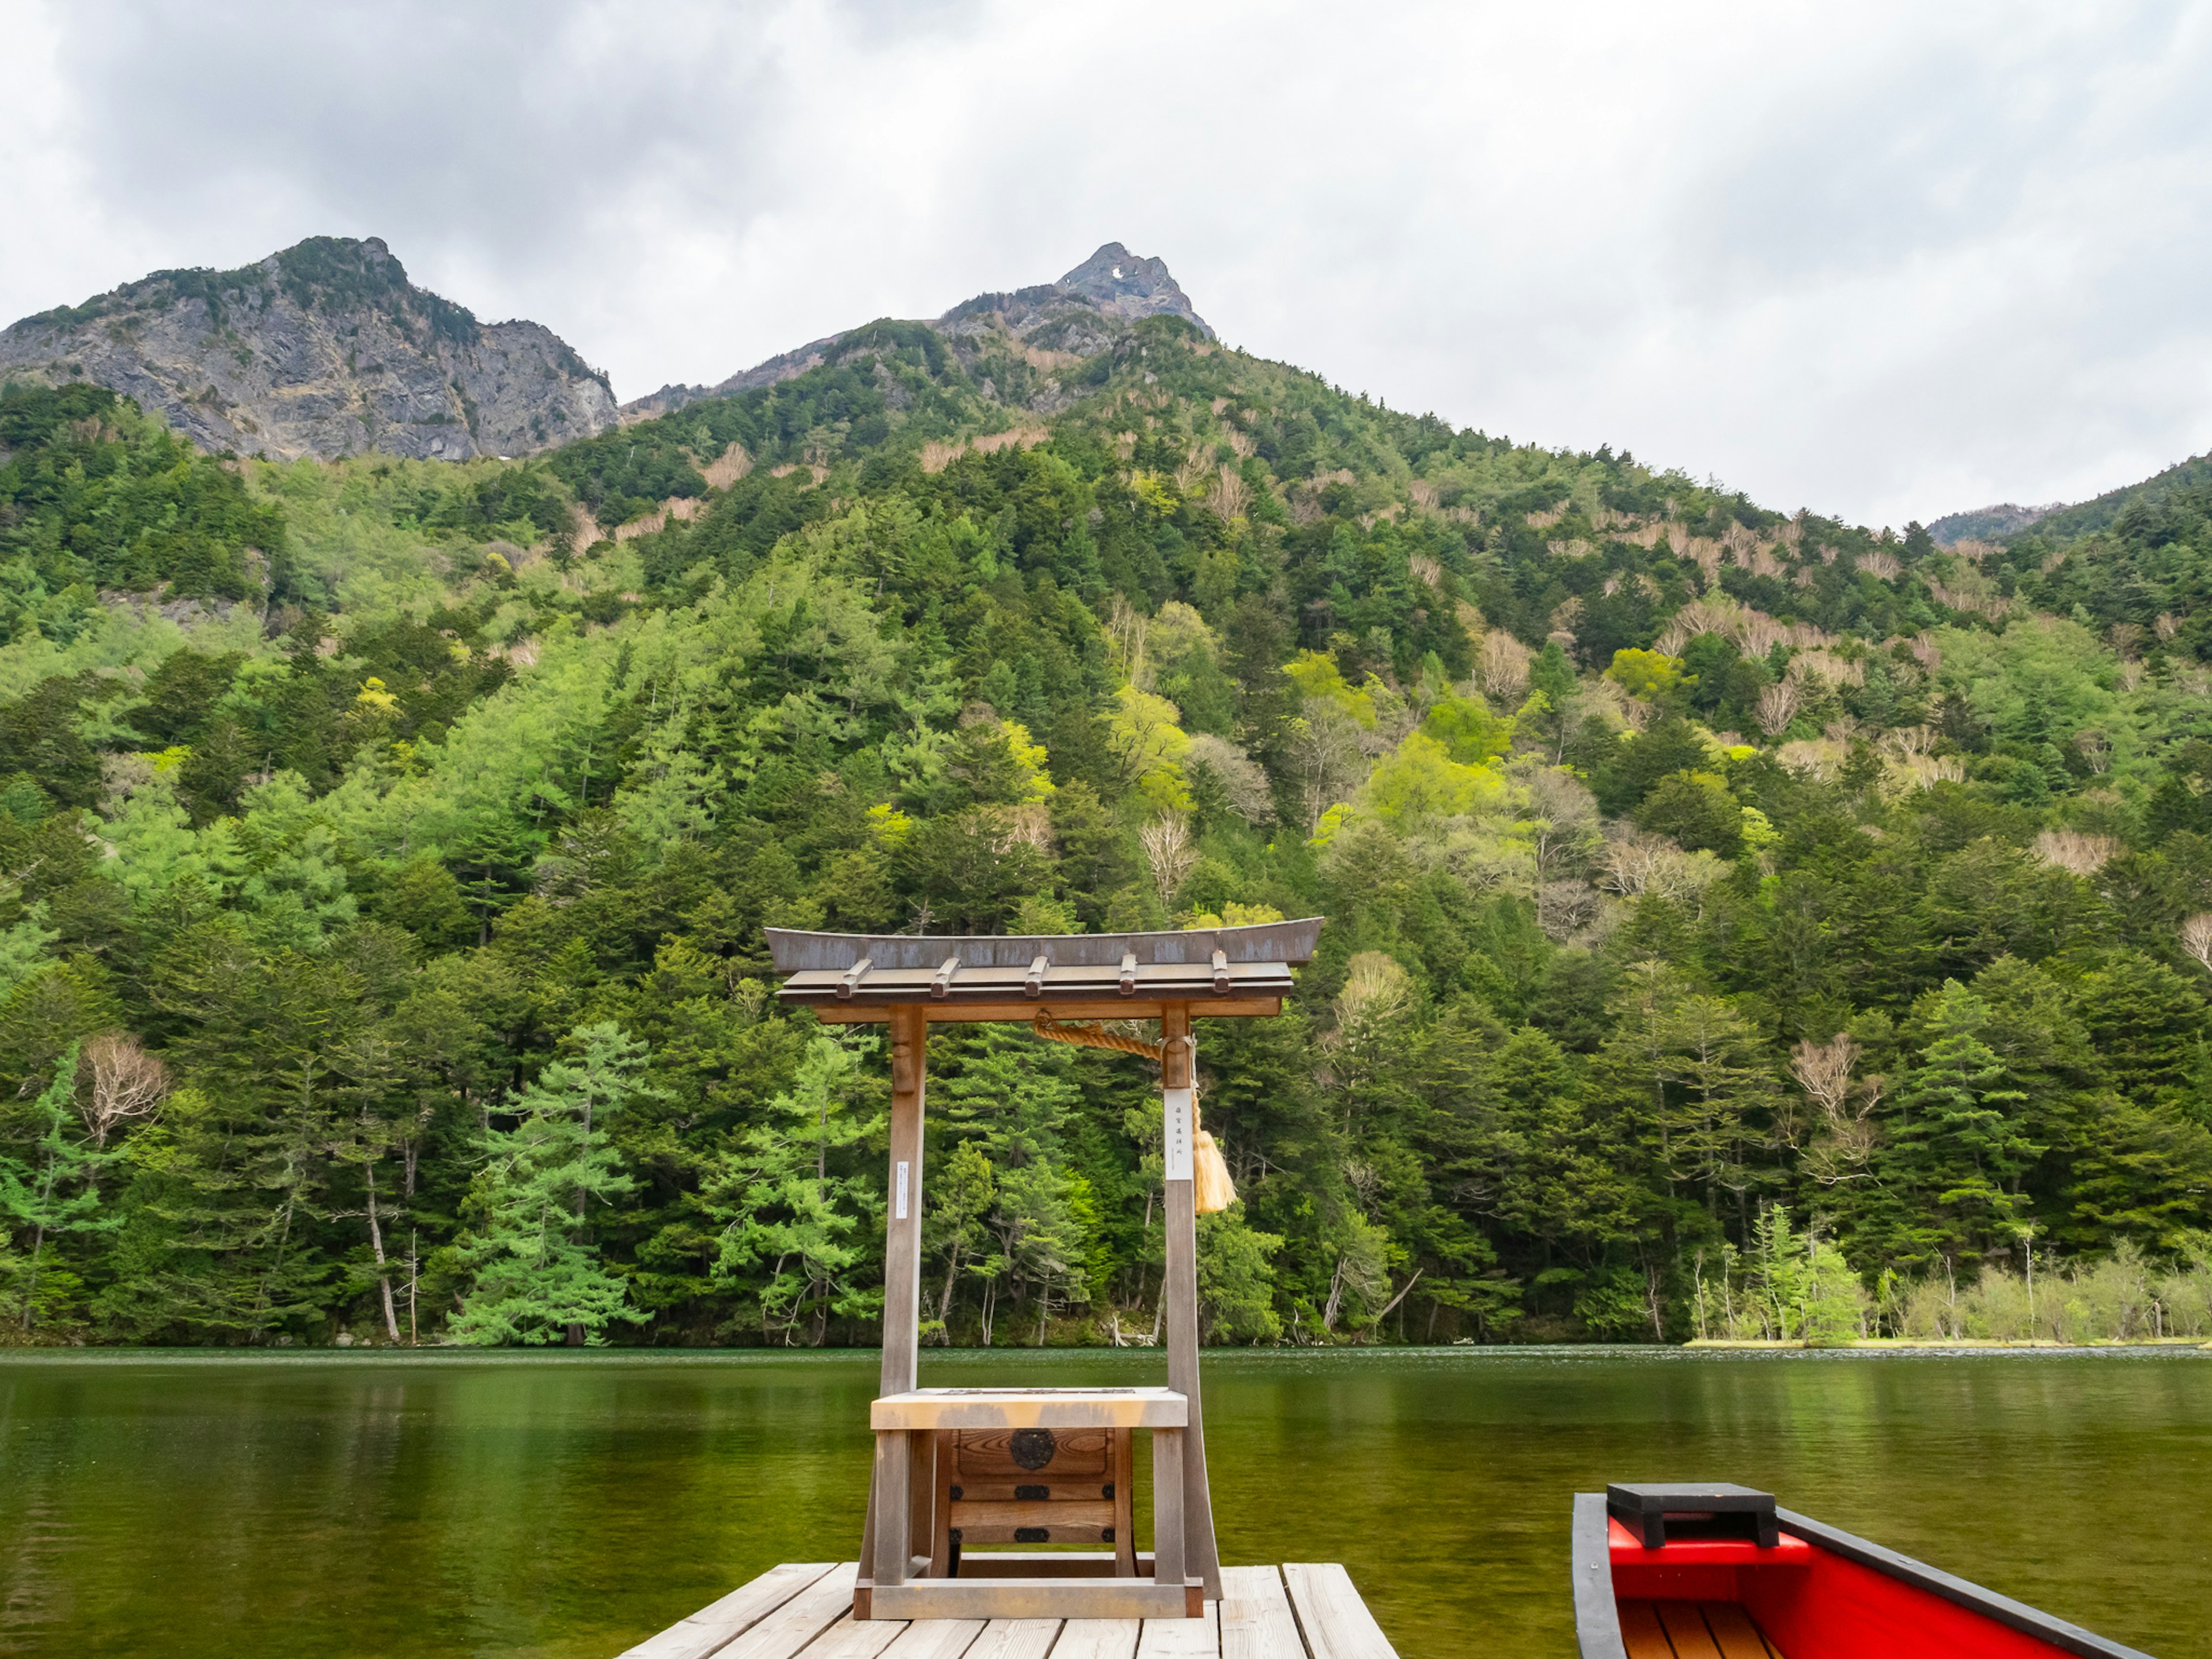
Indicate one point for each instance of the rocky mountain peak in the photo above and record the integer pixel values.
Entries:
(1082, 314)
(1119, 282)
(325, 349)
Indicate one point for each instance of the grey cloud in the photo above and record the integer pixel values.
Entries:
(1884, 261)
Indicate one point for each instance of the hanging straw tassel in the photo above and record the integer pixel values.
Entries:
(1212, 1190)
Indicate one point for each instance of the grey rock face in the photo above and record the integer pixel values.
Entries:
(1121, 284)
(323, 349)
(1084, 313)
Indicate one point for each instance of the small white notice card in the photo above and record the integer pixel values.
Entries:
(1178, 1146)
(901, 1210)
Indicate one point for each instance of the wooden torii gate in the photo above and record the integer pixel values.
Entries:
(933, 1444)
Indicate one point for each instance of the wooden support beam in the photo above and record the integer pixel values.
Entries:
(1168, 1558)
(893, 1501)
(1125, 1513)
(1202, 1555)
(922, 1492)
(858, 972)
(894, 1471)
(1021, 1013)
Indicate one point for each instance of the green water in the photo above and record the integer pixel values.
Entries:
(440, 1504)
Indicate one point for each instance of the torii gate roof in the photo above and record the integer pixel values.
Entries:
(1218, 970)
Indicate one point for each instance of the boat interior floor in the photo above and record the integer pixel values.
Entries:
(1693, 1630)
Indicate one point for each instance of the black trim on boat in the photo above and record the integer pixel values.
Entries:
(2032, 1621)
(1597, 1615)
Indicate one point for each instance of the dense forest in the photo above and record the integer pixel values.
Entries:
(1738, 923)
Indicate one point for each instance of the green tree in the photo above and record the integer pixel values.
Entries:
(1955, 1150)
(536, 1276)
(791, 1199)
(36, 1195)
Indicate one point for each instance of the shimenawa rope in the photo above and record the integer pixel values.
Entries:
(1212, 1190)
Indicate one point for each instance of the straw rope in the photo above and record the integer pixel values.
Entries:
(1213, 1190)
(1095, 1036)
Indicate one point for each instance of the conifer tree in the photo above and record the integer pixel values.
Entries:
(1955, 1149)
(793, 1202)
(54, 1192)
(537, 1277)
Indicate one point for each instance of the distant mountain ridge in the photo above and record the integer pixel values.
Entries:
(1984, 524)
(2099, 512)
(1078, 315)
(325, 349)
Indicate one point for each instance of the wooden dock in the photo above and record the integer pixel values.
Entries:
(803, 1610)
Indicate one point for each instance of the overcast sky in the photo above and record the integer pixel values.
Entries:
(1884, 260)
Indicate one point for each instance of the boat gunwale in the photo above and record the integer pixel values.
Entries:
(1597, 1610)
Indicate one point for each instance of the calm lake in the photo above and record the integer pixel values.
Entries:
(441, 1503)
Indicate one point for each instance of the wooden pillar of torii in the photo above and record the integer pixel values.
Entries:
(958, 1466)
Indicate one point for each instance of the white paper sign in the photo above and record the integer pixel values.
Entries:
(1178, 1146)
(901, 1210)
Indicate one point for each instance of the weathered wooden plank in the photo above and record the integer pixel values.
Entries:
(1056, 1563)
(1183, 1638)
(1336, 1622)
(1012, 1638)
(935, 1638)
(714, 1626)
(1018, 1408)
(1685, 1628)
(796, 950)
(1100, 1639)
(1256, 1621)
(1021, 1013)
(855, 1639)
(960, 982)
(1084, 1485)
(1733, 1632)
(1030, 1598)
(798, 1621)
(1094, 1512)
(1640, 1632)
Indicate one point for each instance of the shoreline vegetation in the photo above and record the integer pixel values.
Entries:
(1742, 924)
(1938, 1344)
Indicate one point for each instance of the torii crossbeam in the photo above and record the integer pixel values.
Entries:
(919, 1513)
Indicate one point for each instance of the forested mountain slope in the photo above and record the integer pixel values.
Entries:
(323, 349)
(1737, 922)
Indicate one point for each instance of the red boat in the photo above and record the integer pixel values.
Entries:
(1719, 1572)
